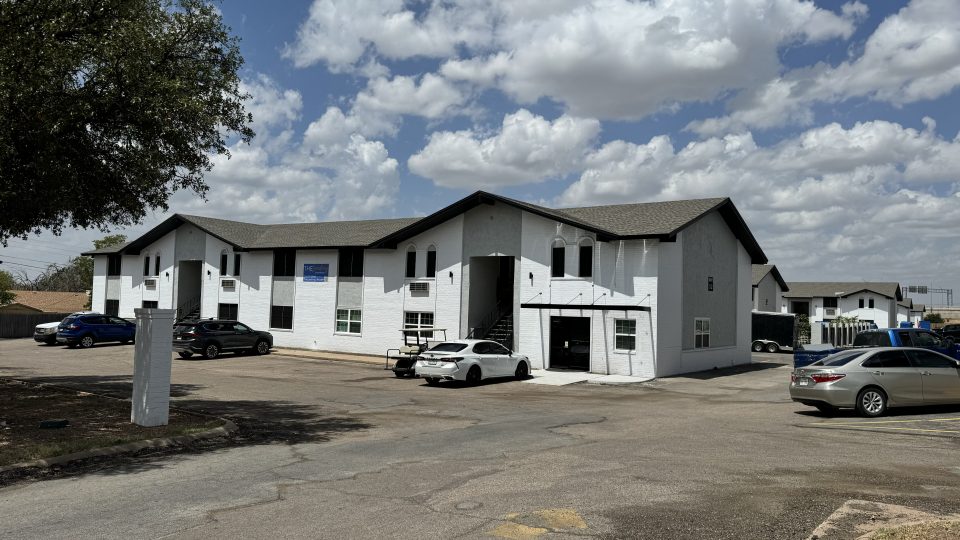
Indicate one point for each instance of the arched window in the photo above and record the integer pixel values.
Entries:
(557, 258)
(223, 262)
(411, 270)
(432, 261)
(156, 264)
(585, 253)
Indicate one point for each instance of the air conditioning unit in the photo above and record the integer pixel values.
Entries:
(830, 312)
(420, 287)
(228, 283)
(150, 283)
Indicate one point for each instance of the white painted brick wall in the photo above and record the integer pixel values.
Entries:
(98, 295)
(255, 282)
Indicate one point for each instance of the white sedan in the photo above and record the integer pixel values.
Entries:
(470, 360)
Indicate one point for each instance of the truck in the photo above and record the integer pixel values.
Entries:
(884, 337)
(773, 331)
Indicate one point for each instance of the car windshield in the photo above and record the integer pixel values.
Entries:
(839, 359)
(68, 320)
(448, 347)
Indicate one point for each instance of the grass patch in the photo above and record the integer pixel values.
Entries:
(932, 530)
(95, 422)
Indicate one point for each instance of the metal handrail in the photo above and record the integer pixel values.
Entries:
(488, 322)
(188, 307)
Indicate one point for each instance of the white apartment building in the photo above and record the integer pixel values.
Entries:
(867, 301)
(649, 289)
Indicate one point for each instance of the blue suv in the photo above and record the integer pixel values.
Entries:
(85, 330)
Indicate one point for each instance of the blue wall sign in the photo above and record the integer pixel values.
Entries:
(315, 272)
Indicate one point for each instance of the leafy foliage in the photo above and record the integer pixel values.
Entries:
(6, 284)
(109, 106)
(75, 276)
(933, 317)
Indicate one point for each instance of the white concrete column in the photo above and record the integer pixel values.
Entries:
(152, 362)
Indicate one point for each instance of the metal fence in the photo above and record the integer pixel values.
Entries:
(841, 334)
(21, 325)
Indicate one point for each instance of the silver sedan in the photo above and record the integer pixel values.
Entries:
(871, 380)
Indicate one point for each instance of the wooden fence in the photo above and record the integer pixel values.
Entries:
(21, 325)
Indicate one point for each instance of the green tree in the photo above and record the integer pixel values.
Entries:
(933, 317)
(75, 276)
(109, 106)
(6, 284)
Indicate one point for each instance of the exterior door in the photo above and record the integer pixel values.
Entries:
(939, 375)
(570, 343)
(897, 376)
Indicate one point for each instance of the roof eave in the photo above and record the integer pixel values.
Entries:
(730, 214)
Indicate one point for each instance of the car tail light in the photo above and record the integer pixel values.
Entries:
(453, 359)
(827, 377)
(73, 326)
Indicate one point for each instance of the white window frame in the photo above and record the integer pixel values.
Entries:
(419, 322)
(617, 334)
(701, 337)
(348, 321)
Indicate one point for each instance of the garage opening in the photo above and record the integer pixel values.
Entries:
(570, 343)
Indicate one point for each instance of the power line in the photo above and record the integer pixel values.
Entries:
(26, 259)
(11, 263)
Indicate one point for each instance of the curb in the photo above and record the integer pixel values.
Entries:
(311, 355)
(227, 428)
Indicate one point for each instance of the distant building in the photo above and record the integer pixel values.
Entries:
(876, 302)
(46, 302)
(768, 288)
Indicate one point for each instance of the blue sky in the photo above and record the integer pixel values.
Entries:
(832, 125)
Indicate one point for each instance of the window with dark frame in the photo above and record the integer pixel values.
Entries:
(149, 304)
(350, 262)
(861, 303)
(586, 260)
(112, 307)
(156, 264)
(223, 263)
(870, 303)
(284, 263)
(146, 265)
(830, 301)
(113, 265)
(556, 264)
(431, 262)
(411, 268)
(227, 311)
(709, 283)
(236, 264)
(281, 317)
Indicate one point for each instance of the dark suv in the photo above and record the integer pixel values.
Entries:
(85, 330)
(211, 337)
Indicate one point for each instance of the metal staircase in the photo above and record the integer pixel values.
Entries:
(502, 331)
(189, 309)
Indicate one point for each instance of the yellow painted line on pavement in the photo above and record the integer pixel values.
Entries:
(871, 426)
(871, 422)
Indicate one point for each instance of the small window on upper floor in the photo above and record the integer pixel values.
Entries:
(156, 264)
(146, 265)
(870, 303)
(431, 261)
(411, 268)
(236, 264)
(350, 262)
(113, 264)
(557, 259)
(223, 263)
(586, 259)
(284, 264)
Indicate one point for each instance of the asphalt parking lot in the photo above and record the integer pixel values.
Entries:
(338, 450)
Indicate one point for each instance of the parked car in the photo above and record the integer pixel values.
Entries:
(886, 337)
(873, 379)
(211, 337)
(47, 332)
(470, 360)
(951, 332)
(85, 330)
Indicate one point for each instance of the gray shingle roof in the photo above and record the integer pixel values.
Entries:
(650, 220)
(642, 219)
(821, 289)
(760, 271)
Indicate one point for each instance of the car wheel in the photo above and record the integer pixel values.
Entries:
(262, 347)
(51, 341)
(871, 402)
(399, 374)
(757, 346)
(474, 375)
(211, 351)
(522, 371)
(87, 341)
(185, 354)
(773, 348)
(432, 381)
